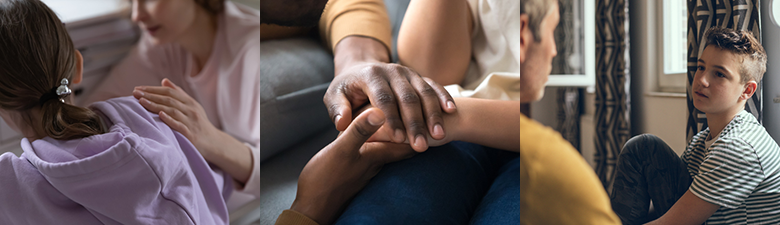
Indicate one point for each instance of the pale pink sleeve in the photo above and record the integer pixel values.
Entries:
(239, 105)
(144, 65)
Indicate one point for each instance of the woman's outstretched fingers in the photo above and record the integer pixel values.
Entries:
(175, 124)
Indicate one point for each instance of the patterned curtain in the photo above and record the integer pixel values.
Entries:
(569, 113)
(703, 14)
(612, 86)
(568, 36)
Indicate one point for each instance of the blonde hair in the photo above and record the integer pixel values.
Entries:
(536, 11)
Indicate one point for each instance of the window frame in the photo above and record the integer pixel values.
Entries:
(667, 82)
(588, 79)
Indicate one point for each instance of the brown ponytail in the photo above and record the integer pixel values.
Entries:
(36, 53)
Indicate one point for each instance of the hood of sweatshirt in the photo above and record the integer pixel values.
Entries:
(138, 172)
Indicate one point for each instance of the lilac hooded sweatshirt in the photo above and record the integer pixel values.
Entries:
(138, 172)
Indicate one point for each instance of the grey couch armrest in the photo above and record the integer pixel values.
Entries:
(294, 75)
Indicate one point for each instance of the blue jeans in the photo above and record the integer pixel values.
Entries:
(457, 183)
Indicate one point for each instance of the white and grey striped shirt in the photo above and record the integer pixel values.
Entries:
(740, 172)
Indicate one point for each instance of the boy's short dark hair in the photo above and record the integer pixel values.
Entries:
(536, 10)
(746, 46)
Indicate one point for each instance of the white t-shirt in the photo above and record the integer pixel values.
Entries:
(494, 71)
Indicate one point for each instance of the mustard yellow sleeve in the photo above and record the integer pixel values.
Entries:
(272, 31)
(557, 186)
(290, 217)
(343, 18)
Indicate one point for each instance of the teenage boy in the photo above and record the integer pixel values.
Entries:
(730, 172)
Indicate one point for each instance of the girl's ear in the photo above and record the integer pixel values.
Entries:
(750, 89)
(79, 68)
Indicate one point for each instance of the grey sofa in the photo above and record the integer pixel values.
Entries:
(294, 76)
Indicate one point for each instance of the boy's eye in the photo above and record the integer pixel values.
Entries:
(700, 68)
(720, 74)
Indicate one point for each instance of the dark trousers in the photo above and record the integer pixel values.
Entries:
(457, 183)
(647, 169)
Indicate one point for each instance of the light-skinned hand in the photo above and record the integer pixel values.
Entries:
(184, 114)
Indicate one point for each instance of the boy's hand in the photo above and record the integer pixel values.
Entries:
(338, 171)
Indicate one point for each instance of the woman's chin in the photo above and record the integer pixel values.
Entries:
(157, 39)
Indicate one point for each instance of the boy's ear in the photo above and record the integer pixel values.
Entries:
(526, 36)
(750, 89)
(79, 68)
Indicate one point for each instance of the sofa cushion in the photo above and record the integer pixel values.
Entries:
(294, 75)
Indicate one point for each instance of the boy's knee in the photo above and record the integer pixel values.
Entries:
(640, 143)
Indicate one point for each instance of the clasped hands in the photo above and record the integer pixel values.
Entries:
(403, 106)
(415, 106)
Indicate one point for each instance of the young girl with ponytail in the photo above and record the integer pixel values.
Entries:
(111, 163)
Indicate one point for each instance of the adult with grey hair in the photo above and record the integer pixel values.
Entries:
(557, 186)
(204, 54)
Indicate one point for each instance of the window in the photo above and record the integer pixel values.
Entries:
(673, 78)
(577, 55)
(775, 13)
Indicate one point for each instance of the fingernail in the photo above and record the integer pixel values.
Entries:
(140, 88)
(338, 118)
(419, 141)
(147, 101)
(139, 93)
(399, 136)
(374, 119)
(438, 131)
(450, 105)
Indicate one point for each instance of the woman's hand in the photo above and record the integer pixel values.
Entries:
(385, 133)
(185, 115)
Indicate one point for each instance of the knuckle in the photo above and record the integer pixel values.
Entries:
(168, 101)
(168, 91)
(395, 121)
(333, 109)
(361, 131)
(429, 80)
(410, 98)
(428, 91)
(385, 98)
(191, 114)
(416, 126)
(435, 115)
(373, 70)
(411, 72)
